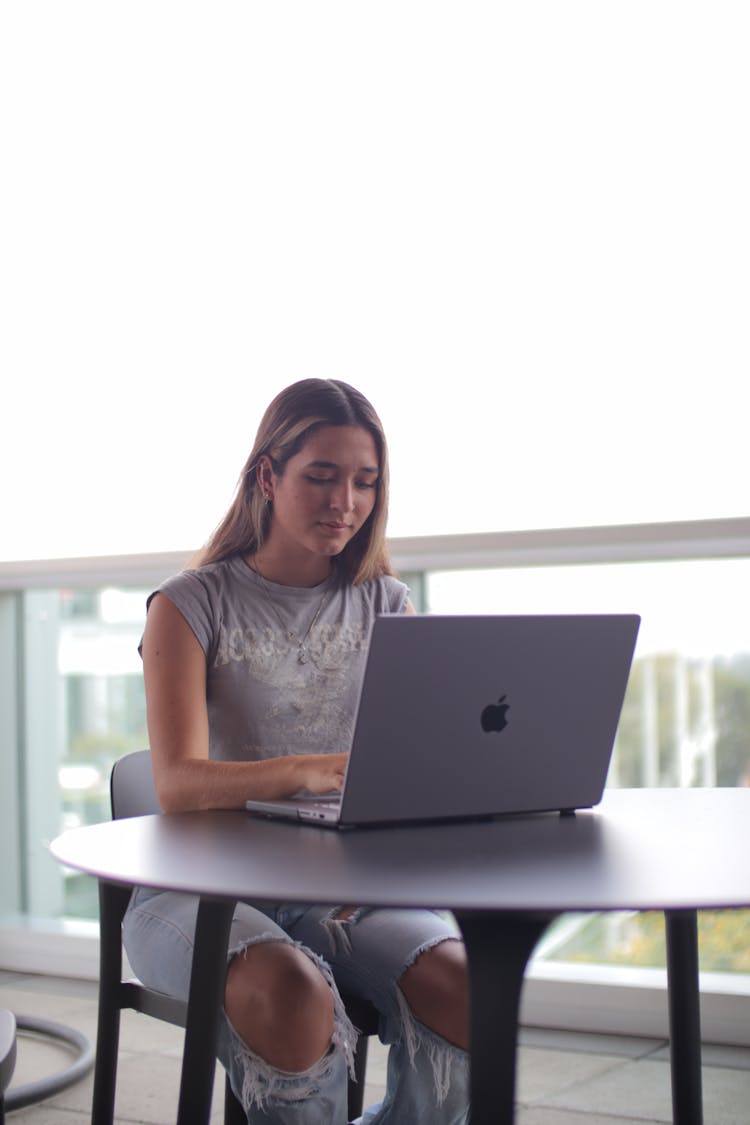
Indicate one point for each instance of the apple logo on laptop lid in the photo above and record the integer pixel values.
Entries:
(494, 717)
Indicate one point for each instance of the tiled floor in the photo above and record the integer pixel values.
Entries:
(564, 1078)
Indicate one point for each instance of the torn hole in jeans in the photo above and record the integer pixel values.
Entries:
(416, 1036)
(336, 923)
(263, 1083)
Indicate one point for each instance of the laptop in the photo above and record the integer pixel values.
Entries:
(464, 717)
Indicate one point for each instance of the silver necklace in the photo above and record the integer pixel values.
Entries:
(300, 642)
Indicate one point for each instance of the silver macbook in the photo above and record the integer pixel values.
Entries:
(468, 717)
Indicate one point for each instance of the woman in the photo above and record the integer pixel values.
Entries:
(253, 660)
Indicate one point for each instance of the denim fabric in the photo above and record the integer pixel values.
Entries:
(428, 1079)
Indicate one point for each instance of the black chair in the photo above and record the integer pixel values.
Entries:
(132, 793)
(7, 1055)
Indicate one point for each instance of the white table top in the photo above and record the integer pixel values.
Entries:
(640, 849)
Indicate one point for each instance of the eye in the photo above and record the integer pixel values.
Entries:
(365, 484)
(319, 480)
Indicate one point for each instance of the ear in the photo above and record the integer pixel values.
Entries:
(265, 477)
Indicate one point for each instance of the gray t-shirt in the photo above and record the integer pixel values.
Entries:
(262, 700)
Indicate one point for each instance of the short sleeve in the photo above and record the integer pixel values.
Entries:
(192, 597)
(395, 595)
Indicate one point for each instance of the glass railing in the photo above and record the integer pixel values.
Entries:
(79, 700)
(103, 708)
(79, 705)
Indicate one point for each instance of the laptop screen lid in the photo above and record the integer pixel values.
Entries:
(474, 716)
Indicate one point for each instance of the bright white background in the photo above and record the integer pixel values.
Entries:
(521, 228)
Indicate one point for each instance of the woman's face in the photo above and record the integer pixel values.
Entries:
(326, 491)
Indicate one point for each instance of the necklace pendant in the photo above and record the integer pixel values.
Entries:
(301, 656)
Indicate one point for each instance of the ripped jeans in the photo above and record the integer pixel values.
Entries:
(428, 1078)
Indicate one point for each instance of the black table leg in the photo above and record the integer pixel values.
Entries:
(498, 947)
(684, 1016)
(207, 980)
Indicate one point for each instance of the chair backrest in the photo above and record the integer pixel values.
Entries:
(131, 786)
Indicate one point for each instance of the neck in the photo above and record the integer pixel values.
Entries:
(286, 571)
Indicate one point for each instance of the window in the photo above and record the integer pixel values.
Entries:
(78, 705)
(75, 643)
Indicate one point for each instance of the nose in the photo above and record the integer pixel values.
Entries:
(342, 497)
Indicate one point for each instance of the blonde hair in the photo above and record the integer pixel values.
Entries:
(289, 421)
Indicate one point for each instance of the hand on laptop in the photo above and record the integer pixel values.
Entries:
(321, 773)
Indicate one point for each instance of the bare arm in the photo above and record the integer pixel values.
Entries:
(174, 669)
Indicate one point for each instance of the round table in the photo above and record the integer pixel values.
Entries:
(505, 880)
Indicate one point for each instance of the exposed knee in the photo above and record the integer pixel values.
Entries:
(280, 1005)
(436, 988)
